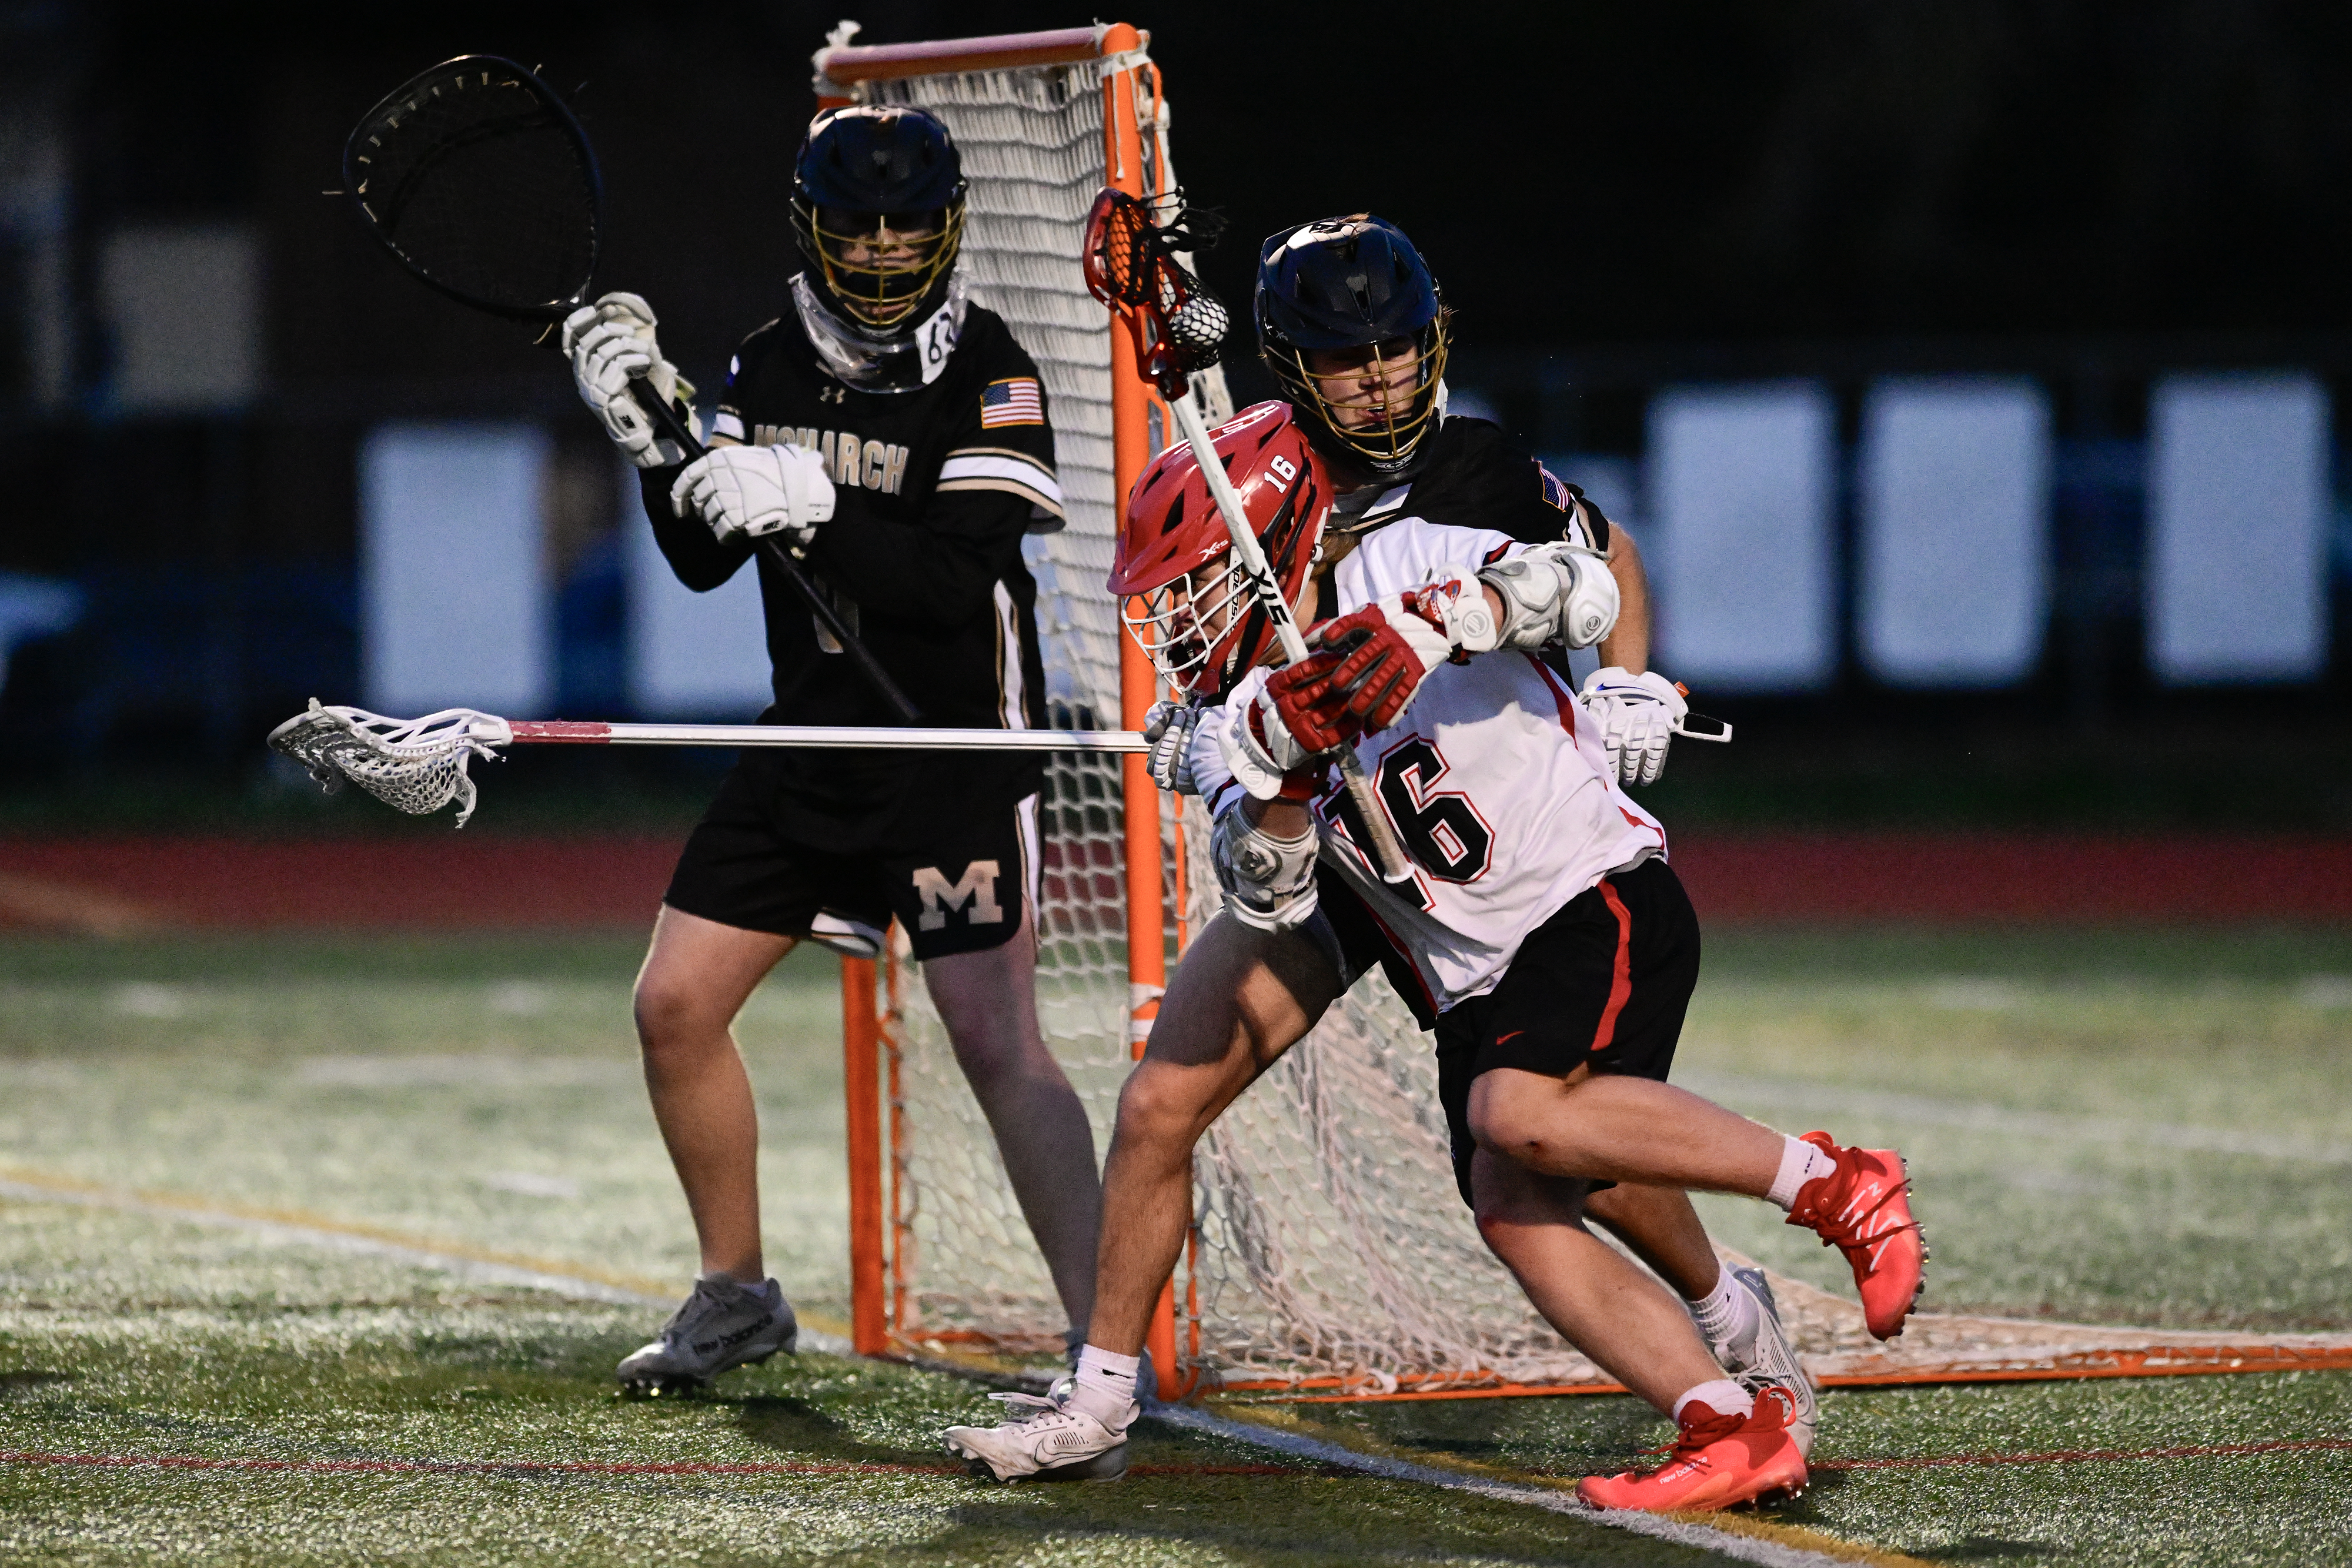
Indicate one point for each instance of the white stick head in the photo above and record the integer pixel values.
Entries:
(415, 764)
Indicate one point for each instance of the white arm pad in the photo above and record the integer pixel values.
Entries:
(1269, 882)
(1258, 748)
(1553, 594)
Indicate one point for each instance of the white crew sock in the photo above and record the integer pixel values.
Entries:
(1723, 1397)
(1104, 1385)
(1724, 1311)
(1801, 1162)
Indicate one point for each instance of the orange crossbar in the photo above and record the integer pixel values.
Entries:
(997, 51)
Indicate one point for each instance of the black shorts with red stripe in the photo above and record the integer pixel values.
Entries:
(1603, 983)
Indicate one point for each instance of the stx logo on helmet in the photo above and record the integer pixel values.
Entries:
(976, 887)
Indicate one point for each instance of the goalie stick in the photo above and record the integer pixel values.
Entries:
(1179, 329)
(478, 181)
(419, 765)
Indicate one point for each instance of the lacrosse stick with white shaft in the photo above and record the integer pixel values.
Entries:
(1179, 328)
(419, 765)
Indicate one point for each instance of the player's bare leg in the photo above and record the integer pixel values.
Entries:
(1663, 1229)
(698, 975)
(988, 1001)
(1241, 999)
(1600, 1301)
(1615, 1128)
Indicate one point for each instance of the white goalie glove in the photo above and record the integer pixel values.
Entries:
(750, 492)
(608, 342)
(1636, 716)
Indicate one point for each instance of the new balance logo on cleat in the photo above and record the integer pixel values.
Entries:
(723, 1325)
(1864, 1209)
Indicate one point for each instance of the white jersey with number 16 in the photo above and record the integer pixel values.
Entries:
(1506, 807)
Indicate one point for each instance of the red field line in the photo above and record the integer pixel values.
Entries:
(570, 1466)
(2091, 1456)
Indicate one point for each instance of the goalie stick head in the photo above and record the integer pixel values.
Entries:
(879, 209)
(1353, 326)
(1184, 596)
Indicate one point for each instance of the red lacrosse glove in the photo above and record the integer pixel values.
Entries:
(1311, 708)
(1384, 651)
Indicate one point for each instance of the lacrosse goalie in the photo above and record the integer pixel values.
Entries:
(1542, 937)
(894, 436)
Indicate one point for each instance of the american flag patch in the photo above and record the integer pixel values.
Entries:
(1016, 400)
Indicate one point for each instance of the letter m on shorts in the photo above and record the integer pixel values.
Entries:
(977, 888)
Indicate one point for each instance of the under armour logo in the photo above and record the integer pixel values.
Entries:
(977, 887)
(832, 394)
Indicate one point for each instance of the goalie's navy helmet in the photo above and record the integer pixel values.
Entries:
(877, 208)
(1354, 289)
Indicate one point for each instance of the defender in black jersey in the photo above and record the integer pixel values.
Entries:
(893, 434)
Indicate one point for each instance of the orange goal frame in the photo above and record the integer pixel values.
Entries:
(878, 1228)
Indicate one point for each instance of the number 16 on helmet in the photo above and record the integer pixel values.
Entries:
(1184, 596)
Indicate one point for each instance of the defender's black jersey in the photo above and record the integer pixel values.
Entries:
(1475, 478)
(934, 491)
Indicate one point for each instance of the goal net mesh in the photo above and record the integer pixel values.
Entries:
(1330, 1242)
(1330, 1245)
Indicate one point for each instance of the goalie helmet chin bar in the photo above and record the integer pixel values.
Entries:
(419, 765)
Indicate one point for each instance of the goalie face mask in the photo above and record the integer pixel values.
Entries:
(1353, 326)
(1182, 590)
(878, 209)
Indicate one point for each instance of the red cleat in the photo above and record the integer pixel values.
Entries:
(1863, 1208)
(1717, 1460)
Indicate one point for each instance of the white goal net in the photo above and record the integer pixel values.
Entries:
(1330, 1248)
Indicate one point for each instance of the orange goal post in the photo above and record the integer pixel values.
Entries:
(1331, 1256)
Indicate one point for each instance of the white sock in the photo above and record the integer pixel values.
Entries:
(1723, 1312)
(1801, 1162)
(1104, 1387)
(1723, 1397)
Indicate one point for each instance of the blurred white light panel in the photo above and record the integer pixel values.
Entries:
(1955, 575)
(455, 606)
(2237, 505)
(691, 655)
(1741, 492)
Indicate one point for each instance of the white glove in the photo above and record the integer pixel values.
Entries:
(1169, 727)
(608, 342)
(1258, 747)
(1636, 716)
(755, 491)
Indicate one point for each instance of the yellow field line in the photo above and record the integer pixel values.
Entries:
(198, 1209)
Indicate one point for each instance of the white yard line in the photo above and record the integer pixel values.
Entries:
(1740, 1548)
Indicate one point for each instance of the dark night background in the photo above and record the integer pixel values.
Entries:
(1611, 195)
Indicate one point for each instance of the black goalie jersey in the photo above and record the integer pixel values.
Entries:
(934, 489)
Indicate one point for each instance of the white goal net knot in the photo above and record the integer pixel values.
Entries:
(415, 764)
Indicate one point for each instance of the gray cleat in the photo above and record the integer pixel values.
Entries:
(722, 1325)
(1761, 1357)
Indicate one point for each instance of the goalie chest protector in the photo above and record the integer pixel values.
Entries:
(980, 426)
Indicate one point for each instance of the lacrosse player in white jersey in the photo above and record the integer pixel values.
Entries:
(1542, 934)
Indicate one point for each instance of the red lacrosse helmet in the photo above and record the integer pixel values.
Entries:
(1180, 589)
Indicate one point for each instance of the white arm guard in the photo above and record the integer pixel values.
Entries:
(754, 491)
(1553, 594)
(1269, 882)
(608, 342)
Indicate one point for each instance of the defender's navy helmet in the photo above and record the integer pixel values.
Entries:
(878, 207)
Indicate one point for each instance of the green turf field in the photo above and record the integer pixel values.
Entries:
(2124, 1127)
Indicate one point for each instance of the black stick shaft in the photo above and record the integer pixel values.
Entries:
(660, 410)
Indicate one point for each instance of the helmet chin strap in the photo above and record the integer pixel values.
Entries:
(904, 360)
